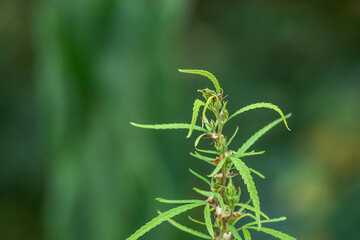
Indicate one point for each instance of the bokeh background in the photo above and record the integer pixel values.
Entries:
(75, 73)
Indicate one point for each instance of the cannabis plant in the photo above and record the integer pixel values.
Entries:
(223, 208)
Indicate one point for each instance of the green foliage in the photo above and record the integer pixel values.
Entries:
(207, 217)
(261, 105)
(248, 180)
(275, 233)
(187, 229)
(206, 74)
(163, 217)
(234, 232)
(169, 126)
(197, 104)
(223, 197)
(259, 134)
(199, 176)
(246, 233)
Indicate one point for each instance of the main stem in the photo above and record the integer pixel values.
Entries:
(224, 169)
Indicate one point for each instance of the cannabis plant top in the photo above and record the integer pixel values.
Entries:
(223, 208)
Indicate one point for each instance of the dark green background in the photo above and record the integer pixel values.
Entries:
(75, 73)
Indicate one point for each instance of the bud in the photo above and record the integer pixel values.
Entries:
(210, 199)
(217, 160)
(227, 236)
(217, 104)
(218, 211)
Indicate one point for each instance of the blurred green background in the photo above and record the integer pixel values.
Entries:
(75, 73)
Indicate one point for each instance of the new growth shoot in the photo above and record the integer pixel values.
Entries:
(223, 207)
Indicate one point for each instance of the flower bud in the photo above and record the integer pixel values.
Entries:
(227, 236)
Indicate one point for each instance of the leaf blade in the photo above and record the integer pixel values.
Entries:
(207, 217)
(206, 74)
(249, 182)
(197, 104)
(199, 176)
(275, 233)
(166, 126)
(259, 134)
(261, 105)
(218, 167)
(257, 173)
(162, 200)
(246, 233)
(187, 229)
(161, 218)
(280, 219)
(234, 232)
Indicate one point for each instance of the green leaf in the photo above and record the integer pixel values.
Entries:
(204, 158)
(249, 182)
(163, 217)
(206, 106)
(218, 167)
(199, 176)
(196, 221)
(197, 104)
(234, 232)
(274, 233)
(206, 74)
(246, 234)
(168, 126)
(245, 215)
(178, 201)
(209, 194)
(207, 217)
(248, 207)
(232, 137)
(280, 219)
(207, 151)
(257, 173)
(261, 105)
(246, 154)
(187, 229)
(259, 134)
(198, 139)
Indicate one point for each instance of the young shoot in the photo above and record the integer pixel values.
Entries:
(222, 204)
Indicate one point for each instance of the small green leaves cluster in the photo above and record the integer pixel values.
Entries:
(223, 208)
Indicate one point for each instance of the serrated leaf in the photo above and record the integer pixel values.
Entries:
(261, 105)
(257, 173)
(280, 219)
(218, 167)
(199, 176)
(234, 232)
(206, 106)
(196, 221)
(163, 217)
(206, 74)
(197, 104)
(204, 158)
(168, 126)
(246, 233)
(209, 194)
(274, 233)
(246, 215)
(187, 229)
(232, 137)
(207, 151)
(208, 222)
(246, 154)
(259, 134)
(198, 139)
(251, 208)
(249, 182)
(178, 201)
